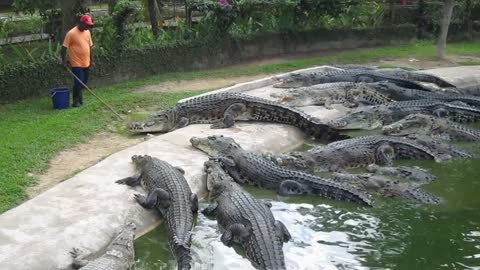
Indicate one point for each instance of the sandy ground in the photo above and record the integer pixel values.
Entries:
(106, 143)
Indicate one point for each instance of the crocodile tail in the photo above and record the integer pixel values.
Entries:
(321, 131)
(183, 256)
(419, 195)
(422, 77)
(341, 192)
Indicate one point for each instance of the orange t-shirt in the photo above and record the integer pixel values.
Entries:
(78, 44)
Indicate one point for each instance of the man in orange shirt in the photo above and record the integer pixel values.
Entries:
(79, 43)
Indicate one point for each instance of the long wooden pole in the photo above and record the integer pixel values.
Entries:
(90, 90)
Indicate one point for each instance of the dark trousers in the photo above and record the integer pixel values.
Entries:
(82, 74)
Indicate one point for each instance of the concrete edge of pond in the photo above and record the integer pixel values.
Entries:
(88, 209)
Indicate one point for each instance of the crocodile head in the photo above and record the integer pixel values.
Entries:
(216, 145)
(368, 117)
(140, 161)
(412, 124)
(124, 241)
(217, 179)
(163, 121)
(292, 81)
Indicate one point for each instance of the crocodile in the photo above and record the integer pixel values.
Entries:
(416, 173)
(376, 116)
(357, 152)
(244, 220)
(416, 76)
(432, 126)
(347, 93)
(295, 80)
(398, 93)
(253, 168)
(388, 187)
(119, 254)
(222, 109)
(169, 193)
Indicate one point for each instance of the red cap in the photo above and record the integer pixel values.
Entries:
(86, 19)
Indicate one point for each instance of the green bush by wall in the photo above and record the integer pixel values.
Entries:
(20, 81)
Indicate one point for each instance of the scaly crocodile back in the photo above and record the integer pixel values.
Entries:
(263, 247)
(211, 108)
(265, 173)
(178, 216)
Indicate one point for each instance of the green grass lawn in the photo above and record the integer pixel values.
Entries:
(31, 132)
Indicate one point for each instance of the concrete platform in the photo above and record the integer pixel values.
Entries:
(86, 210)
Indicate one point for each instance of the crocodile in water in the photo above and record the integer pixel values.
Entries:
(245, 166)
(169, 193)
(245, 220)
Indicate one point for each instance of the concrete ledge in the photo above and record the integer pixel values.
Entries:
(86, 210)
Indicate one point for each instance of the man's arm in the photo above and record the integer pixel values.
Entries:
(92, 63)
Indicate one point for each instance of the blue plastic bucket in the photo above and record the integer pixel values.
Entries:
(60, 97)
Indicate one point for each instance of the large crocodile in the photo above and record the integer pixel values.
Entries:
(357, 152)
(347, 93)
(245, 220)
(416, 174)
(432, 126)
(119, 254)
(169, 193)
(253, 168)
(222, 109)
(372, 117)
(416, 76)
(388, 187)
(399, 93)
(295, 80)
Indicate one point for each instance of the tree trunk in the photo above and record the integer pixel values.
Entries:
(69, 9)
(111, 5)
(446, 18)
(468, 19)
(152, 13)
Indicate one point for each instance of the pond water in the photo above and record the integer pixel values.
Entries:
(328, 234)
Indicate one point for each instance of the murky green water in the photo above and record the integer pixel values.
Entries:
(335, 235)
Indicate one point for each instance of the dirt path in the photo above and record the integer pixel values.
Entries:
(67, 163)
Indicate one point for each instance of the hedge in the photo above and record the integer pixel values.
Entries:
(20, 81)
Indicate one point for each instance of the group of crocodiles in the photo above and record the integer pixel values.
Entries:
(417, 120)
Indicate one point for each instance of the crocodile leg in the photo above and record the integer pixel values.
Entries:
(180, 170)
(183, 122)
(79, 260)
(291, 187)
(130, 181)
(267, 203)
(211, 209)
(229, 116)
(385, 154)
(235, 234)
(282, 231)
(194, 200)
(157, 197)
(328, 103)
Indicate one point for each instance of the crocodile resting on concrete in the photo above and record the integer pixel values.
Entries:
(245, 220)
(432, 126)
(357, 152)
(372, 117)
(347, 93)
(388, 187)
(398, 93)
(119, 254)
(253, 168)
(169, 193)
(222, 109)
(295, 80)
(416, 76)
